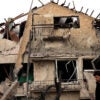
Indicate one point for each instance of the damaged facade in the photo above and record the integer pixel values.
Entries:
(61, 45)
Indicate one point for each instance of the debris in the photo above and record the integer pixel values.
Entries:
(57, 51)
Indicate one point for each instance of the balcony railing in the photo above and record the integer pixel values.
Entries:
(66, 86)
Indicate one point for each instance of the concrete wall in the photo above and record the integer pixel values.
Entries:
(69, 95)
(8, 59)
(8, 51)
(6, 44)
(91, 83)
(80, 38)
(44, 70)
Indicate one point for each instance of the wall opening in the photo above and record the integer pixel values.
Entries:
(87, 65)
(6, 72)
(22, 75)
(15, 31)
(96, 24)
(66, 22)
(67, 70)
(22, 27)
(96, 63)
(91, 64)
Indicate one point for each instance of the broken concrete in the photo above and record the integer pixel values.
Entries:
(6, 44)
(49, 46)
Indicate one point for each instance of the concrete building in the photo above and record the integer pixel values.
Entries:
(61, 45)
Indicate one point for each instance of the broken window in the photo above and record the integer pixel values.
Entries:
(91, 64)
(66, 70)
(87, 65)
(66, 22)
(22, 27)
(22, 75)
(96, 24)
(6, 72)
(13, 31)
(96, 63)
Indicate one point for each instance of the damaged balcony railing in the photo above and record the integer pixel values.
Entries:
(66, 86)
(37, 85)
(72, 85)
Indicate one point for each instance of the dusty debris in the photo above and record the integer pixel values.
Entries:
(5, 85)
(6, 44)
(11, 51)
(91, 83)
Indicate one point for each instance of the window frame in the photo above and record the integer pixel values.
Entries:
(56, 68)
(97, 27)
(59, 26)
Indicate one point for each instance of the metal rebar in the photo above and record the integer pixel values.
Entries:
(86, 11)
(41, 2)
(81, 9)
(92, 13)
(98, 15)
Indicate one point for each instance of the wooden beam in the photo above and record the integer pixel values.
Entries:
(24, 43)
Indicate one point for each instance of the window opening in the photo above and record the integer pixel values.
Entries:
(91, 64)
(67, 70)
(96, 63)
(6, 72)
(22, 75)
(96, 24)
(22, 27)
(87, 65)
(66, 22)
(13, 31)
(88, 70)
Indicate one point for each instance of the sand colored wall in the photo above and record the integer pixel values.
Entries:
(44, 70)
(81, 38)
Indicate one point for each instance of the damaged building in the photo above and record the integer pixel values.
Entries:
(58, 52)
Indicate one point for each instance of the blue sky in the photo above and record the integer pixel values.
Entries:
(12, 8)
